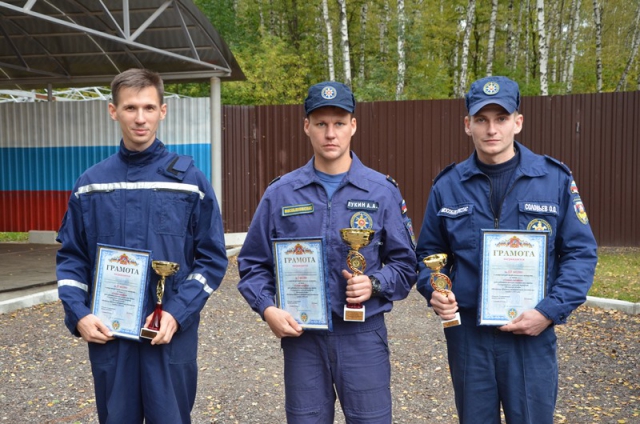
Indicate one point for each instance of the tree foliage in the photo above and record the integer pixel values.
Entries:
(282, 47)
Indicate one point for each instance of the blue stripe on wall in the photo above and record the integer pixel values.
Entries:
(57, 168)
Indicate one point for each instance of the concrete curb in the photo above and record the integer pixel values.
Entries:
(619, 305)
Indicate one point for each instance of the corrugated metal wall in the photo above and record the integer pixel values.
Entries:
(594, 134)
(45, 146)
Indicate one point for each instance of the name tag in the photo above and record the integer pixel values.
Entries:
(539, 207)
(366, 205)
(297, 209)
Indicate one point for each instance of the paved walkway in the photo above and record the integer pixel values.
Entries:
(28, 277)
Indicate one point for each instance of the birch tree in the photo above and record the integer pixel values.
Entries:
(635, 41)
(471, 12)
(544, 52)
(401, 53)
(363, 40)
(327, 24)
(344, 42)
(492, 36)
(573, 45)
(598, 27)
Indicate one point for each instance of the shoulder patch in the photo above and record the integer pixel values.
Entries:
(391, 180)
(275, 179)
(444, 171)
(558, 163)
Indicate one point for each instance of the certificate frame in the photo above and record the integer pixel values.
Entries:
(302, 287)
(119, 287)
(514, 274)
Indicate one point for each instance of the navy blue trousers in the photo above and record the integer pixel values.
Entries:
(490, 368)
(135, 381)
(352, 361)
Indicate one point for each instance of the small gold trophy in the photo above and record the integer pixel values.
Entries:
(356, 238)
(163, 269)
(441, 282)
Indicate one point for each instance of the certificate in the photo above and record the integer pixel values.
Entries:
(301, 281)
(119, 287)
(514, 274)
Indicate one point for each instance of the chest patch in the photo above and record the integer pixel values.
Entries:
(366, 205)
(540, 225)
(539, 208)
(361, 221)
(297, 209)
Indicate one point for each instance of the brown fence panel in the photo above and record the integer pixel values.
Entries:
(412, 141)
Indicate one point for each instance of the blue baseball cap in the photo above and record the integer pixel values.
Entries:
(493, 90)
(329, 93)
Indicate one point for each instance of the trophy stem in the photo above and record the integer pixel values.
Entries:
(157, 316)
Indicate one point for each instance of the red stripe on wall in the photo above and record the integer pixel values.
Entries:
(22, 211)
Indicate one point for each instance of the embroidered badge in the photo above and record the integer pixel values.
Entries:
(367, 205)
(403, 207)
(491, 88)
(540, 225)
(328, 93)
(581, 213)
(297, 209)
(361, 221)
(574, 187)
(409, 226)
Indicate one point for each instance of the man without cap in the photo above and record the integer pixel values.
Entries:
(334, 190)
(143, 197)
(503, 185)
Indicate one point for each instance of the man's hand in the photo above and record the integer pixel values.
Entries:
(168, 327)
(282, 323)
(359, 288)
(93, 330)
(445, 306)
(530, 323)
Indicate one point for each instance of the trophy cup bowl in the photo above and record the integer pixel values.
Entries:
(164, 269)
(441, 282)
(356, 238)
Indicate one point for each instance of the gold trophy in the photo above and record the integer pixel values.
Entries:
(441, 282)
(163, 269)
(356, 238)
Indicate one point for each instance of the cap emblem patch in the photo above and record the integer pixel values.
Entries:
(329, 93)
(491, 88)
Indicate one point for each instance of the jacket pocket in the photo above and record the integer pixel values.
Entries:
(101, 213)
(459, 223)
(171, 211)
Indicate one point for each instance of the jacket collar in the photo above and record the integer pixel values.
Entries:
(355, 175)
(155, 150)
(531, 165)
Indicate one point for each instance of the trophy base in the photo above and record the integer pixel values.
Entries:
(354, 314)
(452, 322)
(147, 333)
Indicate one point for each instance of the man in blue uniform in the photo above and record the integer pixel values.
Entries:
(143, 197)
(334, 190)
(503, 185)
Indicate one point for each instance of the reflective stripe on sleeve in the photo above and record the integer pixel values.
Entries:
(73, 283)
(200, 278)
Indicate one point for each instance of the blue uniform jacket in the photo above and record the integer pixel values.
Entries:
(542, 195)
(153, 200)
(362, 190)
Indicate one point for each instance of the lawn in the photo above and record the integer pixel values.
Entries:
(617, 273)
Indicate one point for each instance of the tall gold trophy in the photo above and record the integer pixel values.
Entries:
(441, 283)
(356, 238)
(163, 269)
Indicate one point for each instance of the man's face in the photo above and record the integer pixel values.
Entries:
(139, 113)
(493, 132)
(330, 130)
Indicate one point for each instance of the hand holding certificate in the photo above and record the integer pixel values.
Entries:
(514, 270)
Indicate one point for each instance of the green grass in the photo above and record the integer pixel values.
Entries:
(617, 273)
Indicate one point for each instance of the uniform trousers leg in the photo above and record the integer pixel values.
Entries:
(490, 368)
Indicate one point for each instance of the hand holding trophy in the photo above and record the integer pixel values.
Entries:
(441, 282)
(163, 269)
(356, 238)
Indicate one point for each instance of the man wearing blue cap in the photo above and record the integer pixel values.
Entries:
(333, 191)
(505, 186)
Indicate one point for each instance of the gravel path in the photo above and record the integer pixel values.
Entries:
(45, 375)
